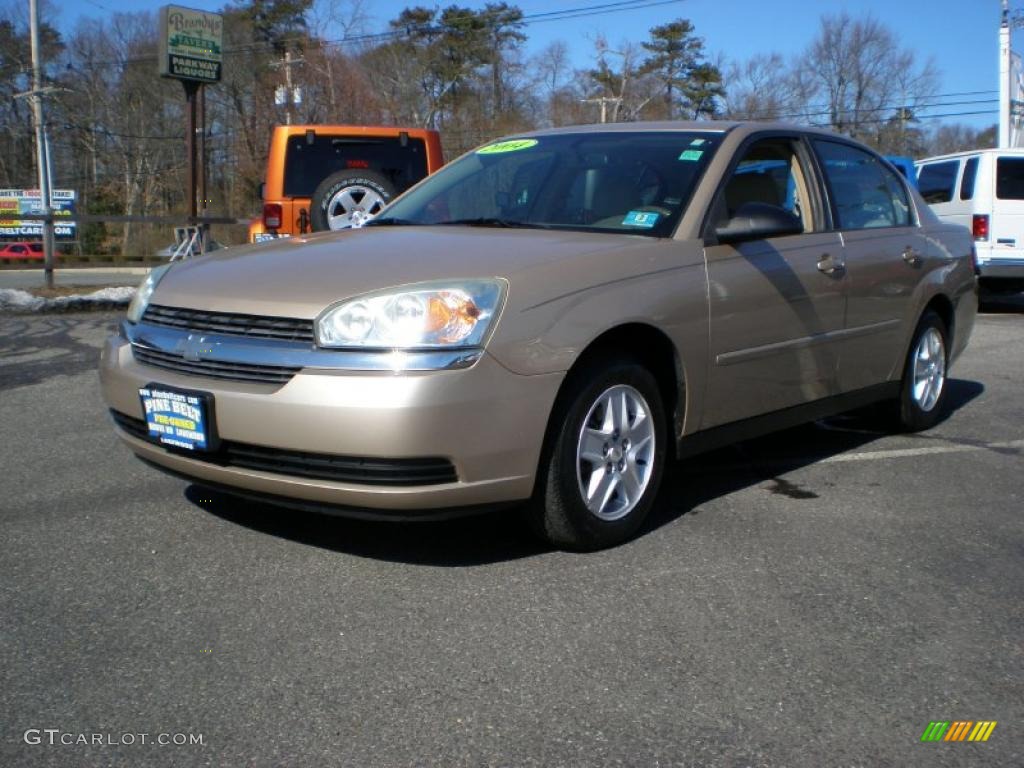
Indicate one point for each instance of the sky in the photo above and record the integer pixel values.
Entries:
(961, 36)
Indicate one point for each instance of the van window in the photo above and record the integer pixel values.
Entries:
(306, 165)
(967, 182)
(937, 180)
(865, 193)
(1010, 178)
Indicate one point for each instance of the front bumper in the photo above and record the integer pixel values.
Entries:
(487, 421)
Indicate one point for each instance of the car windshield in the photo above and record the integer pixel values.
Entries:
(622, 182)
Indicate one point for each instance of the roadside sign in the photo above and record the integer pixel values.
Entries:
(21, 201)
(191, 44)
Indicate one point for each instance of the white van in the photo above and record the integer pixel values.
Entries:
(983, 190)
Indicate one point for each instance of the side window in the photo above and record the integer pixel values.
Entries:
(967, 182)
(864, 193)
(937, 181)
(1010, 178)
(769, 173)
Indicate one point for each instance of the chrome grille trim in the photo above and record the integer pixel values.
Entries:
(196, 346)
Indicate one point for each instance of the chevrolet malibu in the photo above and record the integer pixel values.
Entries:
(553, 318)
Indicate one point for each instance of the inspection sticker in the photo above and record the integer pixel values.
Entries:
(697, 142)
(514, 145)
(692, 155)
(645, 219)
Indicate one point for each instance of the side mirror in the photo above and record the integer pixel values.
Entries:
(756, 221)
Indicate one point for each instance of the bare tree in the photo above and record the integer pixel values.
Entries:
(857, 68)
(762, 88)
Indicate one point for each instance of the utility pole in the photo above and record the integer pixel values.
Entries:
(1004, 76)
(42, 161)
(604, 101)
(287, 95)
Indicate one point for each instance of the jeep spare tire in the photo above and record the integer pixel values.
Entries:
(348, 198)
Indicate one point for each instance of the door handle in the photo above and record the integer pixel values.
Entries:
(830, 266)
(912, 257)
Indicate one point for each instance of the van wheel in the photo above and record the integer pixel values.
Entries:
(923, 388)
(600, 476)
(349, 198)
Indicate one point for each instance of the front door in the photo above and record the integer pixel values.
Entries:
(775, 304)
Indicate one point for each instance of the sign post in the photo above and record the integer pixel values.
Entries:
(190, 50)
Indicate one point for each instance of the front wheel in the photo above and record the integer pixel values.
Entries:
(923, 388)
(602, 472)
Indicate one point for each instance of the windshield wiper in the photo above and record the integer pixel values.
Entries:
(485, 221)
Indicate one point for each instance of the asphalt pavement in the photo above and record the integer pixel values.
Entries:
(813, 598)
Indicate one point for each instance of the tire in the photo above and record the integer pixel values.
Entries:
(925, 370)
(559, 512)
(346, 198)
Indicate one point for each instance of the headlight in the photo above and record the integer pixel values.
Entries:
(145, 292)
(420, 316)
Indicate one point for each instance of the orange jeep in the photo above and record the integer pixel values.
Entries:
(336, 176)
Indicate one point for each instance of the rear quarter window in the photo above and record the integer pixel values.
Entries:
(936, 181)
(1010, 178)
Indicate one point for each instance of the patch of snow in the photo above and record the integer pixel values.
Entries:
(13, 300)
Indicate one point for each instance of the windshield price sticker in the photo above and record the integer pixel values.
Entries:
(501, 147)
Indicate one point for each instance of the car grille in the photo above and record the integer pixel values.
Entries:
(319, 466)
(253, 326)
(217, 369)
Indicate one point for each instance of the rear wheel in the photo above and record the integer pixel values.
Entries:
(923, 388)
(602, 471)
(349, 198)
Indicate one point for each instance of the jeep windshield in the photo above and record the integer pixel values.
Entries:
(623, 182)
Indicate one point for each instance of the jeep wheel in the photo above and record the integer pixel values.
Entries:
(348, 198)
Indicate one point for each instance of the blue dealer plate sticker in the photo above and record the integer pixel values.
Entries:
(645, 219)
(178, 419)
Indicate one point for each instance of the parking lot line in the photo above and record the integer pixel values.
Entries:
(900, 453)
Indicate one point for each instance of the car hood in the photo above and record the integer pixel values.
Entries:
(300, 276)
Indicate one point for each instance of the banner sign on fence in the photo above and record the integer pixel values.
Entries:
(21, 201)
(190, 44)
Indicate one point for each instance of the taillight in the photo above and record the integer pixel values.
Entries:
(979, 226)
(271, 215)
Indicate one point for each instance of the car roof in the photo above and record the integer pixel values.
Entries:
(1013, 151)
(707, 126)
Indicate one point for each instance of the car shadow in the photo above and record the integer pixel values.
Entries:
(764, 461)
(502, 535)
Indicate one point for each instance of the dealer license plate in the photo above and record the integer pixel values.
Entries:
(177, 418)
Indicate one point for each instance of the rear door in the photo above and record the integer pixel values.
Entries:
(885, 256)
(1007, 223)
(775, 303)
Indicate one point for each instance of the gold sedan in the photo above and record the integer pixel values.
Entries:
(550, 319)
